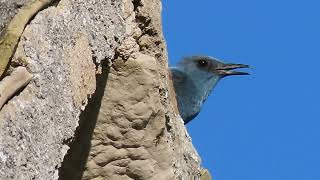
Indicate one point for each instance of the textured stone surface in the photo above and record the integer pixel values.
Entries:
(18, 79)
(132, 108)
(135, 133)
(8, 8)
(60, 45)
(128, 128)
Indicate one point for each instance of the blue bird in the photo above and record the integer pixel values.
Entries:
(193, 80)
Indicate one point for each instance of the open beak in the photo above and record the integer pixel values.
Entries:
(226, 69)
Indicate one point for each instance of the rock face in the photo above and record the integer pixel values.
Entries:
(99, 105)
(8, 8)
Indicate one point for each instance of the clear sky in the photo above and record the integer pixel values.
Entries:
(265, 126)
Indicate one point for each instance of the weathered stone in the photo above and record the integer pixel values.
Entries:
(141, 169)
(61, 46)
(9, 8)
(102, 65)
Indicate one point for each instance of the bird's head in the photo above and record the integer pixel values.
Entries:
(194, 78)
(205, 67)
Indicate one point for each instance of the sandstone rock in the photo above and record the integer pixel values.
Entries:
(98, 106)
(61, 45)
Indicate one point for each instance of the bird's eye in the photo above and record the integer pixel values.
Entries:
(202, 63)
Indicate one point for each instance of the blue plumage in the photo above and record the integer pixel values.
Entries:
(194, 78)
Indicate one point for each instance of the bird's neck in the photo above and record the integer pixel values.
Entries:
(205, 87)
(193, 93)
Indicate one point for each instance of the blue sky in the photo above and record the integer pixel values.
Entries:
(265, 126)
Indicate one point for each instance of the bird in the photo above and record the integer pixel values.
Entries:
(194, 78)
